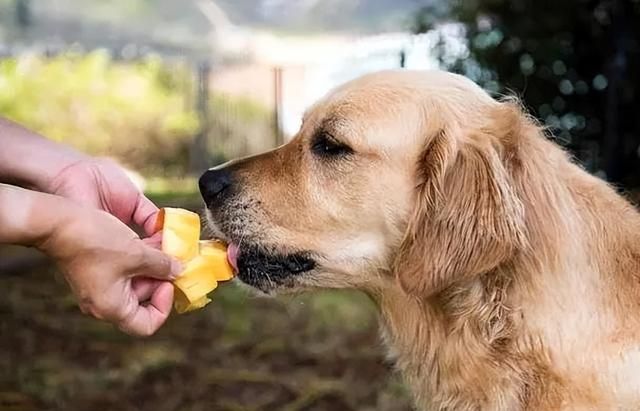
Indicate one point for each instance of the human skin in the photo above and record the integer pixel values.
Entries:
(77, 209)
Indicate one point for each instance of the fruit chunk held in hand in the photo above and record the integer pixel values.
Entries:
(205, 261)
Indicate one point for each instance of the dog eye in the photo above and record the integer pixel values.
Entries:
(325, 145)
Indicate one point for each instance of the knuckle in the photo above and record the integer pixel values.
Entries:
(146, 331)
(126, 322)
(137, 255)
(104, 309)
(89, 306)
(129, 327)
(85, 308)
(163, 265)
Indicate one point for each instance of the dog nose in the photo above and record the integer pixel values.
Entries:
(214, 185)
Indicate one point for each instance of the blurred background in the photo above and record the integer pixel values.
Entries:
(172, 87)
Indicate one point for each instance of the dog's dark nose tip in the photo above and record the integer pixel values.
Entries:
(214, 184)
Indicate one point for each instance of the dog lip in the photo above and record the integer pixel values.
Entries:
(232, 255)
(263, 268)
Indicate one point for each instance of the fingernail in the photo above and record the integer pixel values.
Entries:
(176, 268)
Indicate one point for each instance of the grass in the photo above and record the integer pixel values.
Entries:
(315, 351)
(174, 192)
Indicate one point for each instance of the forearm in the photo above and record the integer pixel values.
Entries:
(30, 160)
(30, 218)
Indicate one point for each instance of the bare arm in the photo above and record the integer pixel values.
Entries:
(31, 160)
(26, 217)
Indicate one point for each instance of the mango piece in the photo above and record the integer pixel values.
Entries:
(205, 261)
(180, 233)
(194, 284)
(216, 252)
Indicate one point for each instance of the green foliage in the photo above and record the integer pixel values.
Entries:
(573, 62)
(131, 111)
(167, 192)
(140, 113)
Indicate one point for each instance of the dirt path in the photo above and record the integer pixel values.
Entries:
(314, 352)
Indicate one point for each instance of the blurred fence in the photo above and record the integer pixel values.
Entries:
(160, 116)
(233, 127)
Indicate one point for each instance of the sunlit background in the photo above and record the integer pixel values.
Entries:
(171, 87)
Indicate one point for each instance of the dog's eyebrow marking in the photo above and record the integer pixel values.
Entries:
(327, 124)
(332, 122)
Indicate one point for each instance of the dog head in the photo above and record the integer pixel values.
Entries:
(394, 176)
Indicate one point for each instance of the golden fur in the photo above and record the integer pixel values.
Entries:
(506, 276)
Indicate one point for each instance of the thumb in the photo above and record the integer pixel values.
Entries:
(154, 263)
(145, 214)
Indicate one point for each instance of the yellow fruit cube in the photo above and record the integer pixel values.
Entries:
(180, 233)
(205, 261)
(216, 253)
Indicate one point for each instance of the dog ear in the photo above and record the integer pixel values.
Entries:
(467, 218)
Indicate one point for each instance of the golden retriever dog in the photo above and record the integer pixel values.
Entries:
(507, 277)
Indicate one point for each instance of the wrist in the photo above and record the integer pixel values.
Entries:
(31, 218)
(48, 161)
(31, 160)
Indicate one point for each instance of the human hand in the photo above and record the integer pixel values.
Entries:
(115, 275)
(120, 277)
(102, 184)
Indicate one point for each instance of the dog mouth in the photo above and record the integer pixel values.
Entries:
(260, 265)
(267, 270)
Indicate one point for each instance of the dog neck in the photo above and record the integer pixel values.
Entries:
(535, 332)
(455, 349)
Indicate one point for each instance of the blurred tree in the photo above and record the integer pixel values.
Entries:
(23, 14)
(575, 64)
